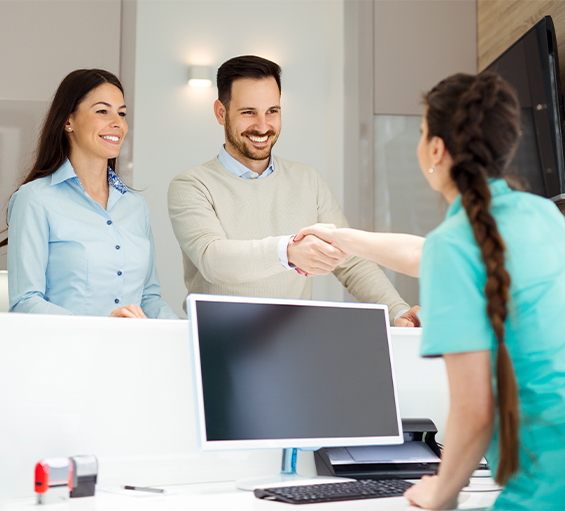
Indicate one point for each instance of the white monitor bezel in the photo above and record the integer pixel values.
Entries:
(304, 443)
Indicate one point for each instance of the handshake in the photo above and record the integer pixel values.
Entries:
(318, 249)
(314, 251)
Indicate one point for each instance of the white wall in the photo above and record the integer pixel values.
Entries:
(175, 127)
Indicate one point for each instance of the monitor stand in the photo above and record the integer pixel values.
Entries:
(287, 476)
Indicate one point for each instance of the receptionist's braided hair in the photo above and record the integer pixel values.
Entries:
(478, 118)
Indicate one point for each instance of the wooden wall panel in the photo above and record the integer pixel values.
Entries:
(501, 22)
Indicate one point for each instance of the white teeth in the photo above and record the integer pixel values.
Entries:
(109, 137)
(259, 139)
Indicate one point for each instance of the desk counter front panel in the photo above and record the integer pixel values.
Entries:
(122, 389)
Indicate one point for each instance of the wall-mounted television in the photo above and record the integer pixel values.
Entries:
(531, 65)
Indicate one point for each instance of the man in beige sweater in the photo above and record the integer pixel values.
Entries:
(235, 216)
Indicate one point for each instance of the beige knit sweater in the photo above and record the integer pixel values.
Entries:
(229, 228)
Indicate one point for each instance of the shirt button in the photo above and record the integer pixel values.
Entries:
(117, 301)
(119, 273)
(117, 247)
(109, 222)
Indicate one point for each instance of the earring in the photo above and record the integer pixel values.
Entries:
(431, 169)
(69, 129)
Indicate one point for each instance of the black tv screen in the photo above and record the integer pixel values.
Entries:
(531, 65)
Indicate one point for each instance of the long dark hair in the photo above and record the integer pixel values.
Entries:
(54, 147)
(478, 118)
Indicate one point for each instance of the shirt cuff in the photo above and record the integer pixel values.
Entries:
(283, 254)
(399, 313)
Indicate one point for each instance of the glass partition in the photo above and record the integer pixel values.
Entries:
(404, 202)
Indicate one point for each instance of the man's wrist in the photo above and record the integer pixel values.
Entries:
(283, 251)
(399, 313)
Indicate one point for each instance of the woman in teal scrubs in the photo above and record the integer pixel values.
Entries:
(492, 290)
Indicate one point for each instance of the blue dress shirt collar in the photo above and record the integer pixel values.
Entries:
(66, 171)
(239, 170)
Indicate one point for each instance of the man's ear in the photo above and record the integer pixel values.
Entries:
(220, 111)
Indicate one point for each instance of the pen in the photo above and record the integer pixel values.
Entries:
(144, 488)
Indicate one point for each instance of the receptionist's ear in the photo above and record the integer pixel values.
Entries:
(438, 150)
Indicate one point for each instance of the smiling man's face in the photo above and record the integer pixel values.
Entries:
(252, 122)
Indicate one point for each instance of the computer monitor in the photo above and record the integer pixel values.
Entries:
(273, 373)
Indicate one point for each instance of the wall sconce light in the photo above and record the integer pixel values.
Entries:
(199, 76)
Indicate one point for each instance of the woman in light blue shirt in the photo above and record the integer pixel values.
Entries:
(492, 290)
(80, 241)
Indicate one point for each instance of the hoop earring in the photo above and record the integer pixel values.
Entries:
(431, 169)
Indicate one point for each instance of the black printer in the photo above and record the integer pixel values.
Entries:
(419, 455)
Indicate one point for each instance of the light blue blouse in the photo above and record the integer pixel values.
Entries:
(69, 255)
(454, 320)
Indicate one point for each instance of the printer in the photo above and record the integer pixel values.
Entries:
(419, 455)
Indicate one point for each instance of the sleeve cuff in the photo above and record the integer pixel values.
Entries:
(283, 254)
(398, 314)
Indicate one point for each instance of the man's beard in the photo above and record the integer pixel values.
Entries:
(251, 153)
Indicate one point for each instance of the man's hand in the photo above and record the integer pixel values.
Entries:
(313, 256)
(409, 318)
(129, 311)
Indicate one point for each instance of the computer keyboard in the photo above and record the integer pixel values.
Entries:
(362, 489)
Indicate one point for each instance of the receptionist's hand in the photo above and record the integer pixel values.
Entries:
(326, 232)
(426, 494)
(409, 318)
(129, 311)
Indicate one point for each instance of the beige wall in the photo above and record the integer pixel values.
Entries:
(418, 43)
(41, 41)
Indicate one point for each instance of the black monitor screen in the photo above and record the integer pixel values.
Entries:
(288, 371)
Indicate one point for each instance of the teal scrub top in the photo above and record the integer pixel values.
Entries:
(454, 320)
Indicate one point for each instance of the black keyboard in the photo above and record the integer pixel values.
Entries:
(362, 489)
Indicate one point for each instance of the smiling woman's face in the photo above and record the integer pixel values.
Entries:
(97, 127)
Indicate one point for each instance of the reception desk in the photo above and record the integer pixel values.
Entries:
(122, 390)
